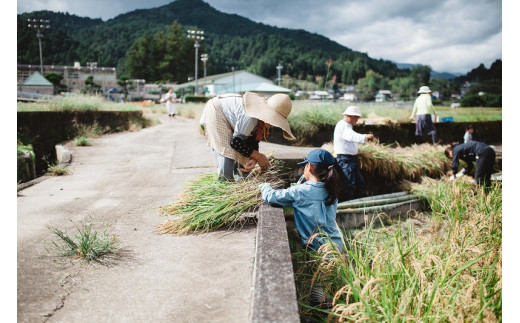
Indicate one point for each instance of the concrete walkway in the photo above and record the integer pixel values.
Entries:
(122, 180)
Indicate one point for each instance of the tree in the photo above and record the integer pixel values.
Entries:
(90, 86)
(123, 82)
(56, 79)
(368, 86)
(421, 75)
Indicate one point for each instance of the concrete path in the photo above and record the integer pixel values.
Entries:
(122, 180)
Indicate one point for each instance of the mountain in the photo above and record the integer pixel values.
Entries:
(433, 74)
(231, 41)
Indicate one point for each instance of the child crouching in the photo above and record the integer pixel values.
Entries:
(315, 201)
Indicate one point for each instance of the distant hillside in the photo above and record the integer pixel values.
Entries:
(231, 41)
(433, 74)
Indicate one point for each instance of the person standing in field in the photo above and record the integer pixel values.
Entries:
(470, 152)
(346, 142)
(422, 112)
(235, 124)
(314, 202)
(170, 98)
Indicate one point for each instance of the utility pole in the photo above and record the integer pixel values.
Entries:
(39, 25)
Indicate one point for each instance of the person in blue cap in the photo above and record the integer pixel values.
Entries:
(315, 201)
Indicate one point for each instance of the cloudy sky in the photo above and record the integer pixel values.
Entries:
(449, 35)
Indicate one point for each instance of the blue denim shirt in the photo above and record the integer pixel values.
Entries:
(310, 212)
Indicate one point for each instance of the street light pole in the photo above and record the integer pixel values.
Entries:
(39, 25)
(204, 59)
(196, 35)
(279, 72)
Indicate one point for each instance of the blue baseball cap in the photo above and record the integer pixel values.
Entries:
(319, 156)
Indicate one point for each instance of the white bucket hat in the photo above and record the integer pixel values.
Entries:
(424, 89)
(353, 111)
(273, 110)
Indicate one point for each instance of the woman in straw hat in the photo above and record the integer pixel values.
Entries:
(346, 142)
(234, 125)
(423, 107)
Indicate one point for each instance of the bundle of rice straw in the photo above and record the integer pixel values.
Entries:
(411, 162)
(208, 204)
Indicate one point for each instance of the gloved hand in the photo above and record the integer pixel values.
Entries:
(452, 177)
(260, 186)
(461, 173)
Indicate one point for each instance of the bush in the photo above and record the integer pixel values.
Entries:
(196, 98)
(485, 100)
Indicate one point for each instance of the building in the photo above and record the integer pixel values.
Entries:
(383, 96)
(236, 82)
(73, 76)
(36, 84)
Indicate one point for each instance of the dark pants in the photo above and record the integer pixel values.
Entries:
(352, 182)
(424, 124)
(485, 167)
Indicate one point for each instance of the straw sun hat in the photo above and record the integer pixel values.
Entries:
(273, 110)
(424, 89)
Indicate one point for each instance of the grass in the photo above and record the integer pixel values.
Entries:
(448, 268)
(77, 102)
(87, 244)
(82, 141)
(208, 204)
(57, 170)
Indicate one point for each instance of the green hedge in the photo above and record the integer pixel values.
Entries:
(195, 98)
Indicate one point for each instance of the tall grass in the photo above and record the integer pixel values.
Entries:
(448, 269)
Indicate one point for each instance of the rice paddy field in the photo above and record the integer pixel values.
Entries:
(440, 266)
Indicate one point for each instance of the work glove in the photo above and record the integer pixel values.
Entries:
(461, 173)
(260, 186)
(452, 177)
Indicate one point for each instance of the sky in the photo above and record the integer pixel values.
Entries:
(452, 36)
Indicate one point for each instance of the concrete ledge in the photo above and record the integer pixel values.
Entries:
(274, 292)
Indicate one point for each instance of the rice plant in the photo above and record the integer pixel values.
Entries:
(87, 244)
(449, 268)
(209, 204)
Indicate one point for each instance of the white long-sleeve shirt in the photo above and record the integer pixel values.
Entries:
(346, 140)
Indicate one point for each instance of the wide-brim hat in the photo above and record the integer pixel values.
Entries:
(424, 89)
(353, 111)
(273, 110)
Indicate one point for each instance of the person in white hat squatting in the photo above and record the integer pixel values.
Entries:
(346, 142)
(423, 107)
(235, 124)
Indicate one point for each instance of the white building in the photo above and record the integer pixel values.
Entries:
(236, 82)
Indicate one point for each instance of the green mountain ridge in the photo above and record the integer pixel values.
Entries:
(231, 40)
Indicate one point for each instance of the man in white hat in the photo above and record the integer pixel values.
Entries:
(346, 142)
(423, 107)
(235, 124)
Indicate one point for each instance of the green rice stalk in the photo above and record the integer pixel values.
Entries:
(208, 204)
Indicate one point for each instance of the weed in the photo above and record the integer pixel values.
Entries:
(57, 170)
(82, 141)
(86, 244)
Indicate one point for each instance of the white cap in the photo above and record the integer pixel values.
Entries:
(353, 111)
